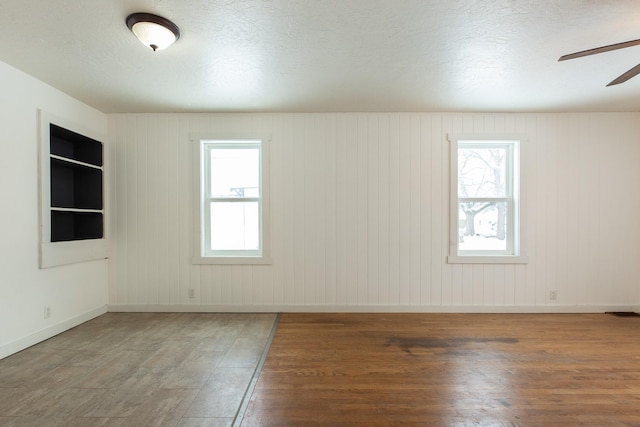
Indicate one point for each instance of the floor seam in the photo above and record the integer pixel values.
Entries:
(237, 420)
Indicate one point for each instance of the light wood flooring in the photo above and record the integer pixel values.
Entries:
(450, 369)
(137, 369)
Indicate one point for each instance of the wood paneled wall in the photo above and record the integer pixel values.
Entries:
(360, 214)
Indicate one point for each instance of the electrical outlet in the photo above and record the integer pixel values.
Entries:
(192, 293)
(553, 294)
(47, 312)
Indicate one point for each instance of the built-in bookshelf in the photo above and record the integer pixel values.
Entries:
(71, 194)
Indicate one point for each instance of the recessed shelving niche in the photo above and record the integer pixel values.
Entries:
(72, 215)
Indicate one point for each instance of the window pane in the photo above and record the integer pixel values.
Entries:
(235, 226)
(482, 172)
(482, 226)
(235, 172)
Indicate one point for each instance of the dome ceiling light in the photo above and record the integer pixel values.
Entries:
(153, 31)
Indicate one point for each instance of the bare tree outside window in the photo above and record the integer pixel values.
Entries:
(486, 200)
(484, 194)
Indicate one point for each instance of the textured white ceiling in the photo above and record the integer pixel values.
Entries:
(330, 55)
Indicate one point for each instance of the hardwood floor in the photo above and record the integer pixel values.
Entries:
(188, 369)
(137, 369)
(450, 369)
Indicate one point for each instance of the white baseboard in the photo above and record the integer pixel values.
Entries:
(193, 308)
(51, 331)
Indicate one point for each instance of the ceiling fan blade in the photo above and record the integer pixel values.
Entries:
(600, 50)
(626, 76)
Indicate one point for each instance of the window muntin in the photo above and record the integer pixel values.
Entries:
(232, 198)
(485, 208)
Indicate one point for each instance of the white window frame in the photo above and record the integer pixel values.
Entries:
(202, 146)
(515, 252)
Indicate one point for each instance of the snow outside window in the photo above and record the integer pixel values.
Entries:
(486, 200)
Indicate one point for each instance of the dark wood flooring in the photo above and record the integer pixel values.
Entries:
(450, 369)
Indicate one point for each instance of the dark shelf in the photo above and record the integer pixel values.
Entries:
(72, 145)
(75, 186)
(67, 226)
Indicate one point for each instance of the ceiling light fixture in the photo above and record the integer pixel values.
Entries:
(153, 31)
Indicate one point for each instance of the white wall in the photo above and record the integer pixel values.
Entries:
(360, 215)
(76, 292)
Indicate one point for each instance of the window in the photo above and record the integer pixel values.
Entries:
(232, 202)
(486, 200)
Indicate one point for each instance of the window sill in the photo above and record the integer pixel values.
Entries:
(232, 260)
(479, 259)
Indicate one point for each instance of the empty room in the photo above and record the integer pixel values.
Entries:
(297, 213)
